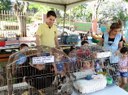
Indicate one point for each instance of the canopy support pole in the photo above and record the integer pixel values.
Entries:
(64, 17)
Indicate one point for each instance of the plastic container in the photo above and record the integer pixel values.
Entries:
(2, 43)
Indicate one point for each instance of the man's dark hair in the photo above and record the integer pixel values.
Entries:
(123, 50)
(51, 13)
(84, 42)
(23, 45)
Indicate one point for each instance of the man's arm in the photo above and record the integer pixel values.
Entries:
(56, 42)
(38, 35)
(37, 40)
(56, 39)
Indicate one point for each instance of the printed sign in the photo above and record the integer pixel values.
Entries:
(103, 54)
(42, 60)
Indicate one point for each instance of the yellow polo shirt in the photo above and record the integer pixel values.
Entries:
(47, 35)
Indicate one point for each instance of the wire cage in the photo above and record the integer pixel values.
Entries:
(84, 62)
(32, 72)
(50, 71)
(91, 62)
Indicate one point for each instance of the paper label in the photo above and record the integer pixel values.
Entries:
(103, 54)
(42, 59)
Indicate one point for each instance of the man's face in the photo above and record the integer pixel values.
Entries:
(50, 20)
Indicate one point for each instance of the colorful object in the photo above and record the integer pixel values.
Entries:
(21, 59)
(69, 39)
(88, 77)
(2, 43)
(113, 47)
(103, 29)
(95, 40)
(109, 80)
(60, 66)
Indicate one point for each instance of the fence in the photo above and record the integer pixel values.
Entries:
(9, 24)
(9, 27)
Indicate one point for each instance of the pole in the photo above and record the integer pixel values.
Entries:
(64, 17)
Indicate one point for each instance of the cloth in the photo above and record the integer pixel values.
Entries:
(124, 74)
(112, 46)
(47, 35)
(123, 63)
(107, 91)
(111, 40)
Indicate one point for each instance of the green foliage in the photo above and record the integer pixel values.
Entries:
(120, 15)
(79, 12)
(5, 5)
(113, 11)
(36, 7)
(126, 0)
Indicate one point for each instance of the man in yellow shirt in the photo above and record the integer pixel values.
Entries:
(47, 33)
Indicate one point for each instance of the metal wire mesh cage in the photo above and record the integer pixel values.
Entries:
(33, 72)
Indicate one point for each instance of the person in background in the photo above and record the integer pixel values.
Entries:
(17, 60)
(123, 66)
(112, 41)
(84, 43)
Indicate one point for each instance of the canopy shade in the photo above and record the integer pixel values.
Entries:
(61, 4)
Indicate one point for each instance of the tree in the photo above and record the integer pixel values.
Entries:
(5, 5)
(38, 10)
(36, 7)
(78, 12)
(98, 3)
(112, 11)
(20, 9)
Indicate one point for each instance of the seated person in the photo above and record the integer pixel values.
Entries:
(88, 66)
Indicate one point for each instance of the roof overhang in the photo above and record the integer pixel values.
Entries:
(61, 4)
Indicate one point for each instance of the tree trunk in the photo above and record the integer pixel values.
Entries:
(22, 24)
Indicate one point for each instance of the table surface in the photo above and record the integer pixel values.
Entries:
(112, 90)
(9, 47)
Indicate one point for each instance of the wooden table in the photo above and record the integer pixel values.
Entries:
(4, 56)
